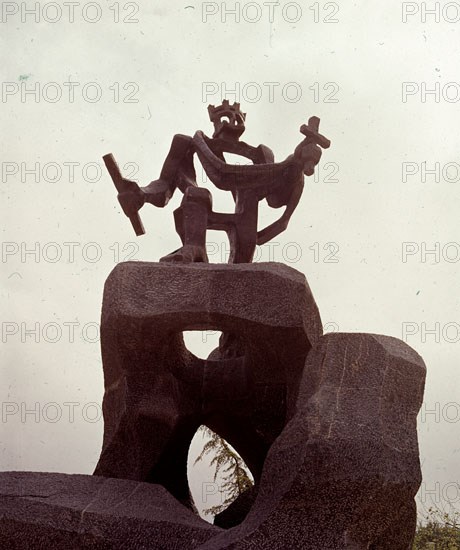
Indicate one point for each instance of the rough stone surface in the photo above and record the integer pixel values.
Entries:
(48, 511)
(345, 470)
(342, 475)
(235, 513)
(157, 393)
(327, 424)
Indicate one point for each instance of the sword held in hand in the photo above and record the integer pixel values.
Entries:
(123, 186)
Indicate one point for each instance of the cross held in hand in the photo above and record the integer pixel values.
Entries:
(310, 131)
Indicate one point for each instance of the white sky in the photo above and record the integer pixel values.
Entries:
(162, 64)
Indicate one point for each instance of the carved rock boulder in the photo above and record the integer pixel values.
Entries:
(327, 424)
(157, 393)
(68, 512)
(345, 470)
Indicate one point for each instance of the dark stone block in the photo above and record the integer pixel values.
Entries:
(344, 472)
(65, 512)
(327, 424)
(157, 393)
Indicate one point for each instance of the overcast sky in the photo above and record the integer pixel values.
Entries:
(124, 78)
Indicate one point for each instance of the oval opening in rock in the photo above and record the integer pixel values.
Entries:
(221, 484)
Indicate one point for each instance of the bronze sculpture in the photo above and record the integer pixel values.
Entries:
(281, 184)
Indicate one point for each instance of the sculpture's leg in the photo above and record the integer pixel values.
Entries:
(191, 223)
(243, 235)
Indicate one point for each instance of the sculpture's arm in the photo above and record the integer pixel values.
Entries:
(177, 171)
(260, 177)
(157, 192)
(306, 156)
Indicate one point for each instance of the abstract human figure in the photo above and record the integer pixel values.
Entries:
(281, 184)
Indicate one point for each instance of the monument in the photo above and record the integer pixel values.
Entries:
(326, 423)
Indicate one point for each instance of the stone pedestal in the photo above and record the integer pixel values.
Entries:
(157, 393)
(327, 424)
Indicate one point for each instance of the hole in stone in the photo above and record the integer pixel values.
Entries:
(216, 473)
(201, 342)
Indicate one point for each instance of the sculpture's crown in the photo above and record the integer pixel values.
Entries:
(215, 113)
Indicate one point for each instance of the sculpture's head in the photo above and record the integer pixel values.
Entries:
(228, 120)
